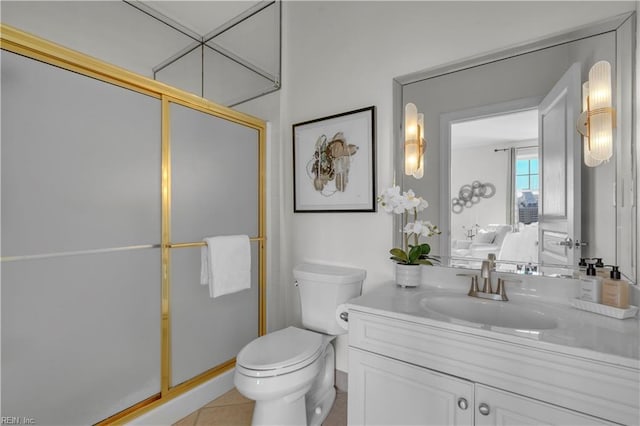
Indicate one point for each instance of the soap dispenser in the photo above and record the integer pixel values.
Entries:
(600, 268)
(583, 264)
(582, 268)
(590, 285)
(615, 291)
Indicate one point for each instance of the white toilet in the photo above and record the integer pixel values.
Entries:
(290, 372)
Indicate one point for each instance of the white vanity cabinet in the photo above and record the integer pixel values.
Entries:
(384, 391)
(403, 372)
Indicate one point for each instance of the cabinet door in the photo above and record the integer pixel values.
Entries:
(496, 407)
(383, 391)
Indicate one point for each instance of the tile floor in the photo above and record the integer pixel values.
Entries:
(233, 409)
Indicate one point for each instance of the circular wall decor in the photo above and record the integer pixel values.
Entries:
(468, 195)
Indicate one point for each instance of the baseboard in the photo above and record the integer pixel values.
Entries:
(185, 404)
(342, 381)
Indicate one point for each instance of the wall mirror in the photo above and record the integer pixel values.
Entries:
(504, 170)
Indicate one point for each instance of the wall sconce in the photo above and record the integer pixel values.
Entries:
(414, 143)
(597, 120)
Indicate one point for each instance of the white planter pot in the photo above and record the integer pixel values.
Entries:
(408, 275)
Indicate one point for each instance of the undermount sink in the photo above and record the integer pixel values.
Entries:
(489, 312)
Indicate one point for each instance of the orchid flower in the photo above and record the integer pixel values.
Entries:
(392, 201)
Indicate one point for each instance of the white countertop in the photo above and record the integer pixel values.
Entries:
(578, 333)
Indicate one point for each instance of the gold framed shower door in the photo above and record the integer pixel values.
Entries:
(16, 41)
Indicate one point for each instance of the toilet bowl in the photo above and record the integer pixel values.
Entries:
(278, 370)
(289, 373)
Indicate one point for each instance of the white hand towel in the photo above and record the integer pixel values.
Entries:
(226, 264)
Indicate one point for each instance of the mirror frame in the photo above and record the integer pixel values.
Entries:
(624, 27)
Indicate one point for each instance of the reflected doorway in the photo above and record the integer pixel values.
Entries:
(495, 186)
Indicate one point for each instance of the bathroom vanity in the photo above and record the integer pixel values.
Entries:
(433, 355)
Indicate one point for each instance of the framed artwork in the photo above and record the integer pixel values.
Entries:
(334, 163)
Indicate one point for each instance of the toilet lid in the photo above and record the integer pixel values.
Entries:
(281, 349)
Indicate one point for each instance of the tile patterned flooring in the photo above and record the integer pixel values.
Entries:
(233, 409)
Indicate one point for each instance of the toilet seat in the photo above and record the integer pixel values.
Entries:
(280, 352)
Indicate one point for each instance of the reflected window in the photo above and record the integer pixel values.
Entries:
(527, 175)
(527, 185)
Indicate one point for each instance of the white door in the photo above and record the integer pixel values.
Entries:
(495, 407)
(383, 391)
(560, 149)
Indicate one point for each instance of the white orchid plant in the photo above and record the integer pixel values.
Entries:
(406, 203)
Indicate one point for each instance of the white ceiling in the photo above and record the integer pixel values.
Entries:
(496, 130)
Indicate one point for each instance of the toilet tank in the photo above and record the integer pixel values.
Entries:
(322, 289)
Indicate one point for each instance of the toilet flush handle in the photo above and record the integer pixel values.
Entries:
(344, 316)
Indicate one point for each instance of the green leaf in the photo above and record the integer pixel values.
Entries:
(425, 249)
(399, 253)
(414, 254)
(417, 255)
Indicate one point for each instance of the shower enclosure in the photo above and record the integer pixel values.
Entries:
(110, 181)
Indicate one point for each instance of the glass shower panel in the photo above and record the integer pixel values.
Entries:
(214, 190)
(206, 332)
(80, 161)
(214, 176)
(80, 335)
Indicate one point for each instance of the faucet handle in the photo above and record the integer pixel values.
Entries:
(501, 290)
(473, 290)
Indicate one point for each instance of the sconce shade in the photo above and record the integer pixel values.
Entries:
(589, 161)
(600, 85)
(600, 113)
(418, 174)
(411, 141)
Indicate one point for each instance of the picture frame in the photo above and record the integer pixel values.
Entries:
(334, 163)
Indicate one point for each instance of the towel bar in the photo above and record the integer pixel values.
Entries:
(202, 243)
